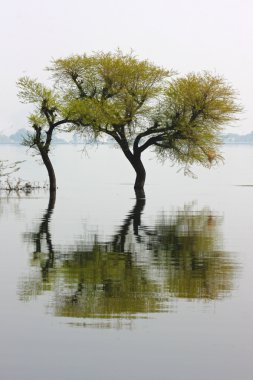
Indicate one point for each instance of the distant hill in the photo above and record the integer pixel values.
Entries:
(4, 139)
(233, 138)
(17, 137)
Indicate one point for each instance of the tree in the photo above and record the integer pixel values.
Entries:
(140, 106)
(49, 114)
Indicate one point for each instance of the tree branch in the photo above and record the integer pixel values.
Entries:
(82, 93)
(148, 132)
(151, 141)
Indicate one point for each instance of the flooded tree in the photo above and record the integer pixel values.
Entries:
(49, 115)
(141, 106)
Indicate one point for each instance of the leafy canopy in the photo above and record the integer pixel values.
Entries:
(108, 90)
(140, 105)
(137, 103)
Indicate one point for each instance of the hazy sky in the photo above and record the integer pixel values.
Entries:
(186, 35)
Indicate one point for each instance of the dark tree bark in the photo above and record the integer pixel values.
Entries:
(44, 231)
(134, 155)
(136, 162)
(51, 174)
(140, 174)
(43, 146)
(134, 218)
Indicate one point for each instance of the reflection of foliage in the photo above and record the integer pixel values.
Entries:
(139, 270)
(187, 245)
(102, 283)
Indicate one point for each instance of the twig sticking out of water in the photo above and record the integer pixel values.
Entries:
(21, 185)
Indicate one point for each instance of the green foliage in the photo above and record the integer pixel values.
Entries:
(111, 88)
(45, 100)
(49, 113)
(52, 110)
(137, 103)
(31, 91)
(195, 109)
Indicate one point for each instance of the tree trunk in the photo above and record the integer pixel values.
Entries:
(51, 202)
(140, 173)
(135, 160)
(50, 170)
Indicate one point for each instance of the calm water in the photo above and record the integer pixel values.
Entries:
(101, 286)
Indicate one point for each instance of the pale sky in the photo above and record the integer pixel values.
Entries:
(185, 35)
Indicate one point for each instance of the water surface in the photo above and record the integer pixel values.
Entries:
(99, 285)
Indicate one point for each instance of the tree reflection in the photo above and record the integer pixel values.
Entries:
(140, 269)
(43, 255)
